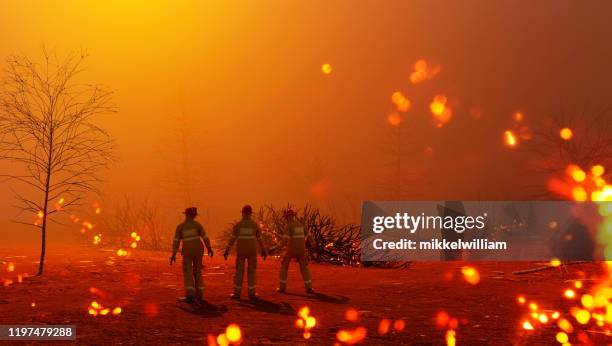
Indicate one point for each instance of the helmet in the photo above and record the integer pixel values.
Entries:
(288, 213)
(247, 210)
(192, 211)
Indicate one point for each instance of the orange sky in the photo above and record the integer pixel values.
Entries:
(266, 126)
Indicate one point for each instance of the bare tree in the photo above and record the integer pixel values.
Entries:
(591, 143)
(47, 128)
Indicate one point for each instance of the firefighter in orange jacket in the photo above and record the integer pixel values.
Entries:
(295, 238)
(191, 233)
(247, 234)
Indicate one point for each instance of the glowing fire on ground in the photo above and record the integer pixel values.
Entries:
(232, 336)
(96, 309)
(305, 322)
(471, 275)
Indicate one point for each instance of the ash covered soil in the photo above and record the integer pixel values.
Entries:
(147, 288)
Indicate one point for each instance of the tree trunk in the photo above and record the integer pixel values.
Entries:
(43, 245)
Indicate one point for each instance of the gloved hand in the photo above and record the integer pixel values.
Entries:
(210, 253)
(172, 259)
(226, 254)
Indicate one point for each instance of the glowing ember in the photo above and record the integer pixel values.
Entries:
(384, 326)
(402, 103)
(569, 294)
(521, 300)
(597, 170)
(233, 333)
(10, 267)
(33, 305)
(566, 133)
(510, 139)
(576, 173)
(305, 321)
(222, 340)
(582, 316)
(326, 68)
(122, 252)
(555, 262)
(527, 325)
(440, 110)
(399, 325)
(450, 337)
(565, 325)
(518, 116)
(470, 275)
(394, 119)
(351, 315)
(351, 336)
(442, 318)
(423, 71)
(96, 309)
(97, 239)
(562, 337)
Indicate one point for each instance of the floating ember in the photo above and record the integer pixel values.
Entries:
(519, 116)
(394, 119)
(440, 110)
(402, 103)
(510, 139)
(423, 71)
(326, 68)
(566, 133)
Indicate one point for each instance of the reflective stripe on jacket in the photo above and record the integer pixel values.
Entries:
(246, 232)
(191, 234)
(297, 235)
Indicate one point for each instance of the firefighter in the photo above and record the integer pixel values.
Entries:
(247, 234)
(191, 233)
(295, 239)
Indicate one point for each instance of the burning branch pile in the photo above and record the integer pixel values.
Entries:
(332, 243)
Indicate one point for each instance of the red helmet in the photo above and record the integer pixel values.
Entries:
(289, 212)
(192, 211)
(247, 210)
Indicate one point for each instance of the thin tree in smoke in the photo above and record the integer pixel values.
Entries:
(47, 129)
(179, 153)
(590, 143)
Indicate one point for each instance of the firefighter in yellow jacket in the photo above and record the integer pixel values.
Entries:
(191, 233)
(295, 239)
(247, 234)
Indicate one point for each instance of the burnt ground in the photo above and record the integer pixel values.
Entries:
(146, 288)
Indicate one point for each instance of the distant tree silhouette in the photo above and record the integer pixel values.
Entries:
(47, 130)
